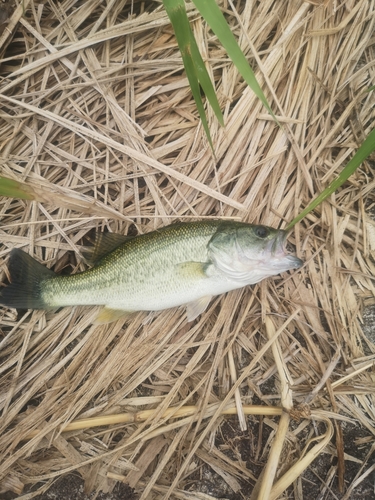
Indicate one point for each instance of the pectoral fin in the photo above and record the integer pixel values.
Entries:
(107, 315)
(189, 270)
(194, 309)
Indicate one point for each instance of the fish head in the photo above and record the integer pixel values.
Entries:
(249, 253)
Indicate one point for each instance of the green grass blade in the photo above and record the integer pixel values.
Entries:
(196, 71)
(363, 152)
(215, 19)
(205, 80)
(195, 89)
(15, 189)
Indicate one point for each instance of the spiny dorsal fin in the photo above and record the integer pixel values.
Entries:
(105, 243)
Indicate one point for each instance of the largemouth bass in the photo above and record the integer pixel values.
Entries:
(182, 264)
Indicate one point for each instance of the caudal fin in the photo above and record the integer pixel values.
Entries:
(27, 276)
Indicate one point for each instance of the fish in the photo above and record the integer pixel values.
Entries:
(183, 264)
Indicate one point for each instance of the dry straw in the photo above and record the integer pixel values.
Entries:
(96, 116)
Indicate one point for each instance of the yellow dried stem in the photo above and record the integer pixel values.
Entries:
(270, 470)
(141, 416)
(301, 465)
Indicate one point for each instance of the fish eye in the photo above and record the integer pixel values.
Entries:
(261, 231)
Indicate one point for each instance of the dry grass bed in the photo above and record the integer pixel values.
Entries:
(96, 115)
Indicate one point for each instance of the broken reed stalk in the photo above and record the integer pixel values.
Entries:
(270, 469)
(268, 490)
(302, 463)
(141, 416)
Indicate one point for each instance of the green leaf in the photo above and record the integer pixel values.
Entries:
(215, 19)
(363, 152)
(15, 189)
(195, 89)
(196, 71)
(205, 80)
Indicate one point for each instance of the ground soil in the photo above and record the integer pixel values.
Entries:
(245, 446)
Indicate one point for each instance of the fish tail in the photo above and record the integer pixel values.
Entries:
(27, 276)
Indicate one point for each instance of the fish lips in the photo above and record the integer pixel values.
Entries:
(295, 262)
(278, 251)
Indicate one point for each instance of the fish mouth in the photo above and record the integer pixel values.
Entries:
(278, 250)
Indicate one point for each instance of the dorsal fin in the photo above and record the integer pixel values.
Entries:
(105, 243)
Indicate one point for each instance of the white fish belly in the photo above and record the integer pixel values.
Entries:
(168, 291)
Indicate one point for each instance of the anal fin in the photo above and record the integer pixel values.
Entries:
(195, 308)
(107, 315)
